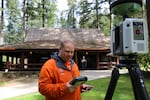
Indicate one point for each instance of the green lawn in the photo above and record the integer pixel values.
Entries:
(33, 96)
(123, 90)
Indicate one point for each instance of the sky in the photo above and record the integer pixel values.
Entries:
(62, 5)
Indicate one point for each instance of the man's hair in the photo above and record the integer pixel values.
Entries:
(65, 40)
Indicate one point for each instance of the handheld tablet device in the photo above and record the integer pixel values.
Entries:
(78, 80)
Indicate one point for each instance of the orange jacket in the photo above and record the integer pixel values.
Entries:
(53, 78)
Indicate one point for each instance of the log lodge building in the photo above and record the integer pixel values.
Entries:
(39, 44)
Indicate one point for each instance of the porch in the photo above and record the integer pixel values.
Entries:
(33, 59)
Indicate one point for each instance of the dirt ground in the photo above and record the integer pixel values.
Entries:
(7, 79)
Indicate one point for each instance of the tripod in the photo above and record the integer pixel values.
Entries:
(140, 92)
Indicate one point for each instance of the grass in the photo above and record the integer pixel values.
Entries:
(123, 90)
(32, 96)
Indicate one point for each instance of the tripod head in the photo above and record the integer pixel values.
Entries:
(126, 61)
(129, 35)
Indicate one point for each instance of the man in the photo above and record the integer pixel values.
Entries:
(57, 72)
(84, 62)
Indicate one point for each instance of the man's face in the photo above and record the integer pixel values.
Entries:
(67, 52)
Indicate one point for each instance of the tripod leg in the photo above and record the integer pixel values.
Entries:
(138, 83)
(112, 84)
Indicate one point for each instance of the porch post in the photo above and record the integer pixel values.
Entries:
(1, 61)
(117, 59)
(76, 58)
(97, 60)
(0, 58)
(12, 60)
(22, 60)
(7, 58)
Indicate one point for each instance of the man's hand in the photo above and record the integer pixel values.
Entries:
(86, 88)
(71, 88)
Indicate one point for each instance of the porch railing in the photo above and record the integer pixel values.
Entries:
(106, 65)
(31, 66)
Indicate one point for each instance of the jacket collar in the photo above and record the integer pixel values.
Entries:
(60, 63)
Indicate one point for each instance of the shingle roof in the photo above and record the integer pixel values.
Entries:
(50, 38)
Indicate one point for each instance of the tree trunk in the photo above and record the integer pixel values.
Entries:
(43, 15)
(2, 16)
(97, 18)
(24, 13)
(148, 15)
